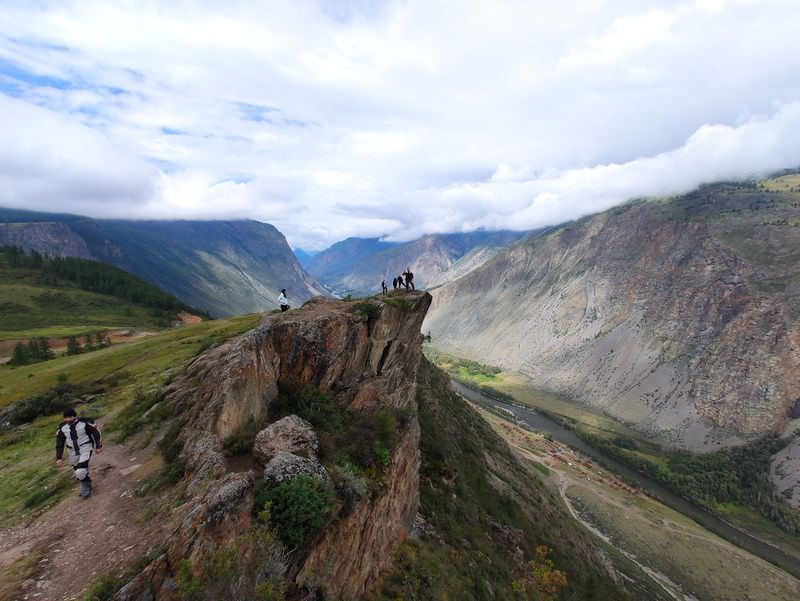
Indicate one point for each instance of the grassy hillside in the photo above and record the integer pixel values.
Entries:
(486, 514)
(111, 379)
(64, 297)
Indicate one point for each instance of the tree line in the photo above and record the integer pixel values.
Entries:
(37, 350)
(94, 276)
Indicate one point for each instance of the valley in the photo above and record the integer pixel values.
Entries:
(627, 511)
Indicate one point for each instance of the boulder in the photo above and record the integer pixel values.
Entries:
(286, 466)
(290, 434)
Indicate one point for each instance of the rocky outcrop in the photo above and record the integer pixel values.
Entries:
(290, 434)
(285, 466)
(366, 355)
(350, 557)
(48, 238)
(678, 317)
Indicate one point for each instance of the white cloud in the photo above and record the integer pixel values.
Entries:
(370, 118)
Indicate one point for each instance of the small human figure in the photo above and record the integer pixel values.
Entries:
(80, 436)
(283, 301)
(401, 282)
(394, 284)
(409, 278)
(384, 289)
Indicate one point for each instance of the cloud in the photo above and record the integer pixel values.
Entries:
(396, 118)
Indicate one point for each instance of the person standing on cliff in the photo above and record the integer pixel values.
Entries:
(394, 284)
(409, 278)
(384, 289)
(81, 437)
(283, 301)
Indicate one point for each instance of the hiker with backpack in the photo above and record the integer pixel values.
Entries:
(81, 437)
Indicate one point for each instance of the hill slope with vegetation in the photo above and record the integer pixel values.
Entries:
(223, 267)
(61, 297)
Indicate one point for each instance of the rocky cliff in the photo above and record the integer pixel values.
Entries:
(678, 316)
(46, 237)
(366, 356)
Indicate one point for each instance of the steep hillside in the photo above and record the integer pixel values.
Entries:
(60, 297)
(224, 267)
(677, 316)
(359, 264)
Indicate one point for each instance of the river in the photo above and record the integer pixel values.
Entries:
(708, 520)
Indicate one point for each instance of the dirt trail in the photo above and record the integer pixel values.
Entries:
(80, 539)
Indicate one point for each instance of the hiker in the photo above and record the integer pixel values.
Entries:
(394, 284)
(409, 278)
(283, 301)
(80, 436)
(383, 287)
(400, 282)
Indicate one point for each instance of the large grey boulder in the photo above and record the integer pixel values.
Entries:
(286, 466)
(291, 434)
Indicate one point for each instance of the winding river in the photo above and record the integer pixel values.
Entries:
(708, 520)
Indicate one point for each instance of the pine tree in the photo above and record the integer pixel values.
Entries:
(44, 349)
(89, 346)
(73, 346)
(33, 351)
(20, 355)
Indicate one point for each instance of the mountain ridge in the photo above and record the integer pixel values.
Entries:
(225, 267)
(641, 311)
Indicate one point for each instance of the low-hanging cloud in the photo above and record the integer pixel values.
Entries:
(389, 118)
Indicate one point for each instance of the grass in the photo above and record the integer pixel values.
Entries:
(128, 371)
(62, 311)
(464, 369)
(17, 573)
(706, 566)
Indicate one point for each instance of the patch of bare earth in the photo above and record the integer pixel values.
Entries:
(81, 539)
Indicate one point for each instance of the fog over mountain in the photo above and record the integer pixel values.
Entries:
(367, 119)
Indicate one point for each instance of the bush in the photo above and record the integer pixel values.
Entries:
(241, 442)
(299, 509)
(366, 308)
(47, 403)
(251, 568)
(365, 437)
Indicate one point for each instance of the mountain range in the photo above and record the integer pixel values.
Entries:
(358, 265)
(679, 316)
(223, 267)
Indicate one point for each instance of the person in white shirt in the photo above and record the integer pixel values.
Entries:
(283, 301)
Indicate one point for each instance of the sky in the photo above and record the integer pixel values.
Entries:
(367, 118)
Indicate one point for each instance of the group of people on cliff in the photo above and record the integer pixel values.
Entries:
(404, 280)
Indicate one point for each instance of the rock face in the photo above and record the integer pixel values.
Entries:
(51, 238)
(291, 434)
(286, 466)
(679, 317)
(365, 358)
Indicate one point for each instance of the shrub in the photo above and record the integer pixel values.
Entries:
(366, 308)
(241, 442)
(250, 568)
(47, 403)
(299, 508)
